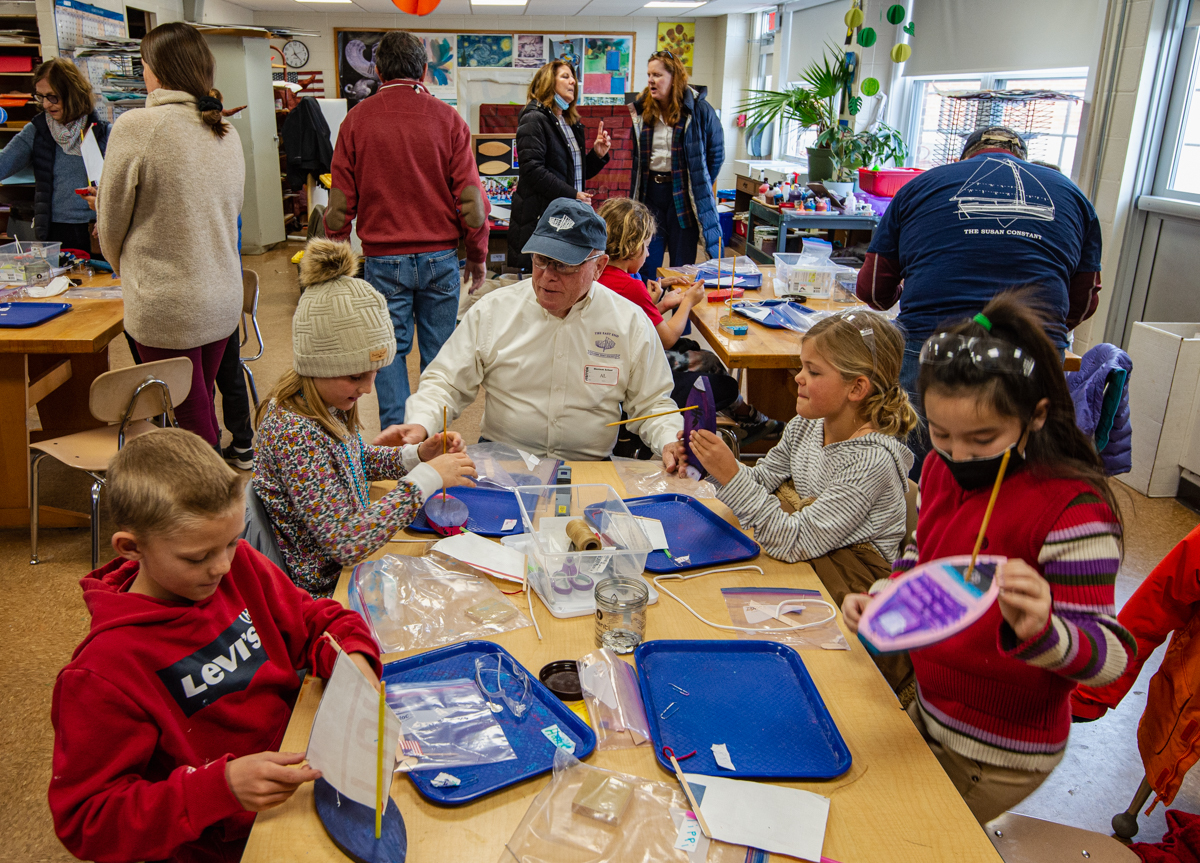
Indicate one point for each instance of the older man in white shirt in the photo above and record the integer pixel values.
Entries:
(558, 355)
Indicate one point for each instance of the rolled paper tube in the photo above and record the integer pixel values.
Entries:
(582, 537)
(582, 582)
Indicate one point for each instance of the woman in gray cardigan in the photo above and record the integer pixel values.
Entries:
(167, 216)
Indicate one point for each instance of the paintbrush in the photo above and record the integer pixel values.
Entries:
(987, 514)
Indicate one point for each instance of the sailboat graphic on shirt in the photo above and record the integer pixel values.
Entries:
(1005, 190)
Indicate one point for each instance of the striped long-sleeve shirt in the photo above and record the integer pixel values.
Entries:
(984, 692)
(858, 484)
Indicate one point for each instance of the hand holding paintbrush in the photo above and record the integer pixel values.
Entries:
(444, 452)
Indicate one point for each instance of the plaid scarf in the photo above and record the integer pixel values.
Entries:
(683, 208)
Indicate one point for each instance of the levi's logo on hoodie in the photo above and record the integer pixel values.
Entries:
(226, 665)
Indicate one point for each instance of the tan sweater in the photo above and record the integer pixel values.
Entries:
(167, 214)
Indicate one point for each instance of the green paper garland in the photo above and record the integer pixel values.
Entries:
(870, 86)
(895, 14)
(866, 37)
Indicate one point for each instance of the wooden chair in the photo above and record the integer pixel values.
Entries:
(126, 399)
(250, 310)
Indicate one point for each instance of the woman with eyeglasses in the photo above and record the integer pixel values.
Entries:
(51, 144)
(678, 150)
(550, 150)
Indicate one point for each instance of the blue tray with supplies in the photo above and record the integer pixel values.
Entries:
(488, 509)
(535, 752)
(20, 315)
(756, 697)
(693, 530)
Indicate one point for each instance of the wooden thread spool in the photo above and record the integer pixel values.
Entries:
(582, 537)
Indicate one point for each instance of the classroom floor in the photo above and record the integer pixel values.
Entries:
(43, 618)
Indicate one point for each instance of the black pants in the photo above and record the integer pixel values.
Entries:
(235, 398)
(679, 243)
(72, 235)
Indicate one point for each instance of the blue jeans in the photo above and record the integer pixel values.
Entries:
(918, 438)
(422, 287)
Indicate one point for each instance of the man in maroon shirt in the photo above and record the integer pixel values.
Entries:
(403, 167)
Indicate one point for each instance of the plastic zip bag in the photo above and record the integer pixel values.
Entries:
(502, 466)
(445, 723)
(781, 314)
(613, 699)
(642, 478)
(562, 823)
(758, 606)
(424, 602)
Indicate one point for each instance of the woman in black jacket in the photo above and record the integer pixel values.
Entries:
(551, 155)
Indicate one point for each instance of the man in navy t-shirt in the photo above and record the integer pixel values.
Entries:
(959, 234)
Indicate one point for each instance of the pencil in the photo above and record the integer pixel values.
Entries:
(379, 760)
(687, 789)
(651, 416)
(987, 513)
(443, 443)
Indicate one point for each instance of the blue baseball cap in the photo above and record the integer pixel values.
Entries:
(568, 231)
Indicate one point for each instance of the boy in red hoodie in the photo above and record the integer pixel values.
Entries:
(169, 715)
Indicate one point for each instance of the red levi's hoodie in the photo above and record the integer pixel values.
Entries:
(160, 695)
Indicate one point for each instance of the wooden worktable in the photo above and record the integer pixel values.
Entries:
(894, 804)
(52, 366)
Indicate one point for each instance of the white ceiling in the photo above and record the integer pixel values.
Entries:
(556, 8)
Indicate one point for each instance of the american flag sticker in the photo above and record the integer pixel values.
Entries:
(410, 747)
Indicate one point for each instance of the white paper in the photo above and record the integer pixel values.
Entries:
(699, 851)
(93, 161)
(484, 554)
(724, 282)
(757, 612)
(689, 833)
(509, 524)
(499, 212)
(57, 285)
(776, 819)
(445, 780)
(721, 753)
(653, 529)
(342, 744)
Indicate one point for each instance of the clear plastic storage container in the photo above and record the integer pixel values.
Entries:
(14, 257)
(565, 579)
(803, 275)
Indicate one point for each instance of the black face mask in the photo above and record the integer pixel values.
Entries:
(973, 473)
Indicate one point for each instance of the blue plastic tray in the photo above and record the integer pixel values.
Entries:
(535, 754)
(692, 529)
(754, 696)
(19, 315)
(487, 510)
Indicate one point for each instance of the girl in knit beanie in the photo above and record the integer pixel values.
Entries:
(313, 470)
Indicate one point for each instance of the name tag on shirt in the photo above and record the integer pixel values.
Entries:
(605, 376)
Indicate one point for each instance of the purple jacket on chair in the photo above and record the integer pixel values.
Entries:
(1100, 390)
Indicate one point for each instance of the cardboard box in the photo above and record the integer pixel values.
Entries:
(1162, 394)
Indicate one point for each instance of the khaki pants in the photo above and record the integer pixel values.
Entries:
(988, 790)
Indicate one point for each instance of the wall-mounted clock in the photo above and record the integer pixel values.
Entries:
(295, 53)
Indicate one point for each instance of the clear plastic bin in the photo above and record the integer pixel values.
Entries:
(14, 257)
(565, 579)
(797, 276)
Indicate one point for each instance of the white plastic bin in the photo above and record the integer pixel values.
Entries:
(797, 274)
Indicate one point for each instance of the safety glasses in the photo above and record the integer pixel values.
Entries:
(986, 353)
(516, 694)
(541, 262)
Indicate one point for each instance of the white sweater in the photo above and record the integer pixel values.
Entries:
(552, 383)
(167, 214)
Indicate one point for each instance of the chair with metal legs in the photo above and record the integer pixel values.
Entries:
(126, 399)
(250, 309)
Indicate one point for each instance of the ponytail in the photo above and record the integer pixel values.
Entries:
(891, 412)
(210, 108)
(182, 60)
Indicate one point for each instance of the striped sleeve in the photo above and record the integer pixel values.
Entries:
(1082, 639)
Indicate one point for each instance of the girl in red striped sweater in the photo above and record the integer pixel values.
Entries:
(993, 700)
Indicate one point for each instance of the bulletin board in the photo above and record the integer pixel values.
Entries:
(603, 61)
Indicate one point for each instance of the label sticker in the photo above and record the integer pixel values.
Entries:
(605, 376)
(689, 833)
(556, 736)
(509, 524)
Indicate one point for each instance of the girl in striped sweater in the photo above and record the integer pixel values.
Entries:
(993, 700)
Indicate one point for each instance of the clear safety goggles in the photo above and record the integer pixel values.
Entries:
(986, 353)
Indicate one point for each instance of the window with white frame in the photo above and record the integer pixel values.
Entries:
(1178, 170)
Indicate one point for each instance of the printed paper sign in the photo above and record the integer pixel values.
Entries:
(605, 376)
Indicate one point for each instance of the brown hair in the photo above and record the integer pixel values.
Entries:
(298, 394)
(167, 477)
(845, 346)
(181, 60)
(73, 90)
(651, 110)
(630, 224)
(542, 88)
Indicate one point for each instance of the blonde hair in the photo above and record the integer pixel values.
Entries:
(845, 347)
(542, 88)
(298, 394)
(630, 224)
(167, 477)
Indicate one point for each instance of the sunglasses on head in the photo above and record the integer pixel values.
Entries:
(663, 54)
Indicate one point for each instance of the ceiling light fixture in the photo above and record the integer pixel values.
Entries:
(498, 2)
(674, 4)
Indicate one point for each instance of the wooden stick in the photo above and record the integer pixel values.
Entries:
(379, 761)
(687, 789)
(651, 416)
(443, 443)
(987, 514)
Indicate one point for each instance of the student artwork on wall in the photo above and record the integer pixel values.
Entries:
(439, 74)
(531, 51)
(569, 49)
(495, 154)
(485, 50)
(356, 58)
(606, 67)
(679, 39)
(499, 190)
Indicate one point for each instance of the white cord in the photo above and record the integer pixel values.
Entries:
(529, 598)
(832, 608)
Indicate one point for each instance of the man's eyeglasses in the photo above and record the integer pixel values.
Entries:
(541, 262)
(46, 98)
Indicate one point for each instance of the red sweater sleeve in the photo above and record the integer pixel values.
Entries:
(464, 173)
(880, 282)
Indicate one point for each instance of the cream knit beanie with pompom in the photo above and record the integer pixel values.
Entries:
(341, 326)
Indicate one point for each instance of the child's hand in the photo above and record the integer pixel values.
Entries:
(669, 300)
(695, 294)
(432, 448)
(454, 468)
(263, 780)
(1024, 598)
(853, 607)
(400, 435)
(717, 458)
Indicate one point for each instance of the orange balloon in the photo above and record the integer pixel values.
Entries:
(417, 7)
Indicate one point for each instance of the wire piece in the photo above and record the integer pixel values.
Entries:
(667, 711)
(680, 577)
